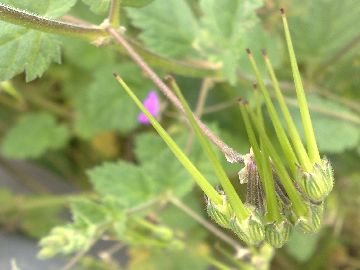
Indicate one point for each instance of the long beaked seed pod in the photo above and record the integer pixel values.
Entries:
(277, 233)
(318, 184)
(250, 230)
(220, 213)
(312, 222)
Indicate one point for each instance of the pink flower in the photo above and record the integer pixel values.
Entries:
(152, 104)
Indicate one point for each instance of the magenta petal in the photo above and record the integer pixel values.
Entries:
(151, 103)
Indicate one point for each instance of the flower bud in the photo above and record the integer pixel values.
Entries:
(318, 184)
(250, 230)
(63, 240)
(221, 214)
(312, 222)
(277, 233)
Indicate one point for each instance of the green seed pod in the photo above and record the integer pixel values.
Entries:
(221, 214)
(318, 184)
(251, 230)
(312, 222)
(277, 233)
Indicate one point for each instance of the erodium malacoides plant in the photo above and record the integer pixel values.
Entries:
(285, 189)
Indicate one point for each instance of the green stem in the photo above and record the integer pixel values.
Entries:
(304, 110)
(9, 88)
(27, 204)
(298, 204)
(293, 133)
(114, 13)
(264, 170)
(236, 203)
(26, 19)
(280, 132)
(207, 188)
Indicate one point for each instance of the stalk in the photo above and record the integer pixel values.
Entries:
(293, 133)
(207, 188)
(240, 211)
(280, 132)
(304, 110)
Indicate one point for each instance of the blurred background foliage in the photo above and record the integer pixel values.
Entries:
(72, 119)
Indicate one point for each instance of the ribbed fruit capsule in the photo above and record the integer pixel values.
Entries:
(318, 184)
(312, 222)
(220, 213)
(250, 230)
(277, 233)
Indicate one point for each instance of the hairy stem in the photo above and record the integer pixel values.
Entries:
(24, 18)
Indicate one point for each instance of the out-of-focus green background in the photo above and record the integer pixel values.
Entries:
(70, 118)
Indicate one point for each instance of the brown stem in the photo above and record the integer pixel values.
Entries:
(210, 227)
(230, 154)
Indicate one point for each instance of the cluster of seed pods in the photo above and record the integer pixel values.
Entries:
(284, 189)
(281, 192)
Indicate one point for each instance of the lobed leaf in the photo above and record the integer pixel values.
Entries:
(29, 50)
(33, 136)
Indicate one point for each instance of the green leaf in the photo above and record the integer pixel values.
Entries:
(161, 166)
(333, 134)
(98, 6)
(33, 136)
(102, 106)
(302, 246)
(28, 50)
(136, 3)
(168, 27)
(123, 181)
(101, 6)
(310, 22)
(160, 259)
(89, 54)
(86, 212)
(224, 31)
